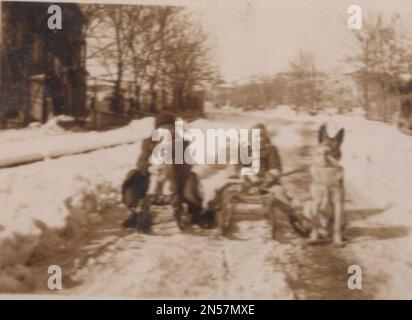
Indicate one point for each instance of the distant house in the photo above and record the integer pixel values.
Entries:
(380, 102)
(383, 106)
(42, 70)
(393, 104)
(194, 103)
(223, 94)
(405, 112)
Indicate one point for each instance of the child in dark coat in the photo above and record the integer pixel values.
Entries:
(184, 181)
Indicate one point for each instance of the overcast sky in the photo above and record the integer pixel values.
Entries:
(261, 36)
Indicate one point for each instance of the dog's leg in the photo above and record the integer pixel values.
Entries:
(338, 215)
(314, 209)
(308, 214)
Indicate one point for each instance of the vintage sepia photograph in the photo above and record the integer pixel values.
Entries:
(206, 149)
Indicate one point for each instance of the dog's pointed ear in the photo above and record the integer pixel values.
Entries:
(340, 135)
(322, 134)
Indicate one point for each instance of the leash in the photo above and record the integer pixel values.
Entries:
(284, 174)
(288, 173)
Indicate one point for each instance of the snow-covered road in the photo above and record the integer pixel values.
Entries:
(98, 258)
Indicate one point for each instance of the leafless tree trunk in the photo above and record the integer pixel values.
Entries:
(159, 47)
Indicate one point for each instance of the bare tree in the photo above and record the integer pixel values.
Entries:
(160, 47)
(140, 42)
(187, 63)
(108, 29)
(382, 55)
(305, 81)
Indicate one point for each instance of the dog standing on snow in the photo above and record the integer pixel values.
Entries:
(325, 210)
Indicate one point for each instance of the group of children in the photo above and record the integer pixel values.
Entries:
(185, 182)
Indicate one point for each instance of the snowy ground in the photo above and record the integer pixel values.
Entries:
(77, 198)
(377, 159)
(50, 141)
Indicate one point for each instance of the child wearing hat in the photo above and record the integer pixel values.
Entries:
(185, 181)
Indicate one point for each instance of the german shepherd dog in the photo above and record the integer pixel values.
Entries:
(325, 210)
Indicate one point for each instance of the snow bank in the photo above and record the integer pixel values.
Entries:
(39, 190)
(48, 201)
(377, 158)
(36, 130)
(22, 151)
(84, 210)
(67, 194)
(42, 210)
